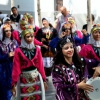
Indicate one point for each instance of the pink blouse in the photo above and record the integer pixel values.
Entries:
(21, 62)
(88, 52)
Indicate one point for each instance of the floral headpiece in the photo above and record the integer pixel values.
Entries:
(28, 15)
(28, 29)
(70, 20)
(95, 27)
(24, 21)
(6, 26)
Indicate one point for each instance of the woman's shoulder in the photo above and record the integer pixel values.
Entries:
(14, 42)
(87, 47)
(18, 50)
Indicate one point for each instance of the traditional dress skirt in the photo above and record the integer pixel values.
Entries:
(31, 86)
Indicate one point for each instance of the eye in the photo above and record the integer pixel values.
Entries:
(66, 48)
(27, 36)
(71, 46)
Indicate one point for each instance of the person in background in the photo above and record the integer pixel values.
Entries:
(17, 34)
(76, 32)
(66, 30)
(15, 17)
(7, 50)
(69, 72)
(56, 20)
(85, 26)
(6, 20)
(30, 20)
(45, 35)
(3, 16)
(92, 49)
(65, 14)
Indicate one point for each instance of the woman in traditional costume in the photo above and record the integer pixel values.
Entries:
(30, 20)
(69, 72)
(27, 65)
(7, 49)
(92, 50)
(66, 30)
(45, 35)
(17, 34)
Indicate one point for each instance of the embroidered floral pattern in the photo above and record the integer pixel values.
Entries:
(34, 97)
(30, 89)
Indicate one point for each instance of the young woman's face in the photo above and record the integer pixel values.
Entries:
(31, 20)
(68, 50)
(96, 35)
(45, 23)
(67, 29)
(22, 26)
(29, 38)
(7, 32)
(72, 25)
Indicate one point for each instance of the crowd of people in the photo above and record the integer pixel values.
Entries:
(62, 51)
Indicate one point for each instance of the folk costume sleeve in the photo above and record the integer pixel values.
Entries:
(16, 71)
(64, 91)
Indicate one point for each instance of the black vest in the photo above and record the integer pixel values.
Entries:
(15, 19)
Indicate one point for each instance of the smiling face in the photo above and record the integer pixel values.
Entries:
(68, 50)
(96, 35)
(31, 20)
(29, 38)
(7, 32)
(45, 23)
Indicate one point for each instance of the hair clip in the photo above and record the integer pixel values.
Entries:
(67, 40)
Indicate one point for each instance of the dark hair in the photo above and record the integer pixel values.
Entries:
(93, 18)
(13, 8)
(63, 29)
(59, 58)
(0, 12)
(7, 20)
(4, 34)
(49, 23)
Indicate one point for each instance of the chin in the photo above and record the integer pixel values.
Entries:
(70, 56)
(29, 42)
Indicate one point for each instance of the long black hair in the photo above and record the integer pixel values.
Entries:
(4, 34)
(59, 58)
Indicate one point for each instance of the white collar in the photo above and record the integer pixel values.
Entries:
(26, 45)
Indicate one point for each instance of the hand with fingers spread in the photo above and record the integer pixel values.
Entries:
(97, 71)
(86, 87)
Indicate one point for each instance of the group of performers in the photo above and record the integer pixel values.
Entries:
(69, 56)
